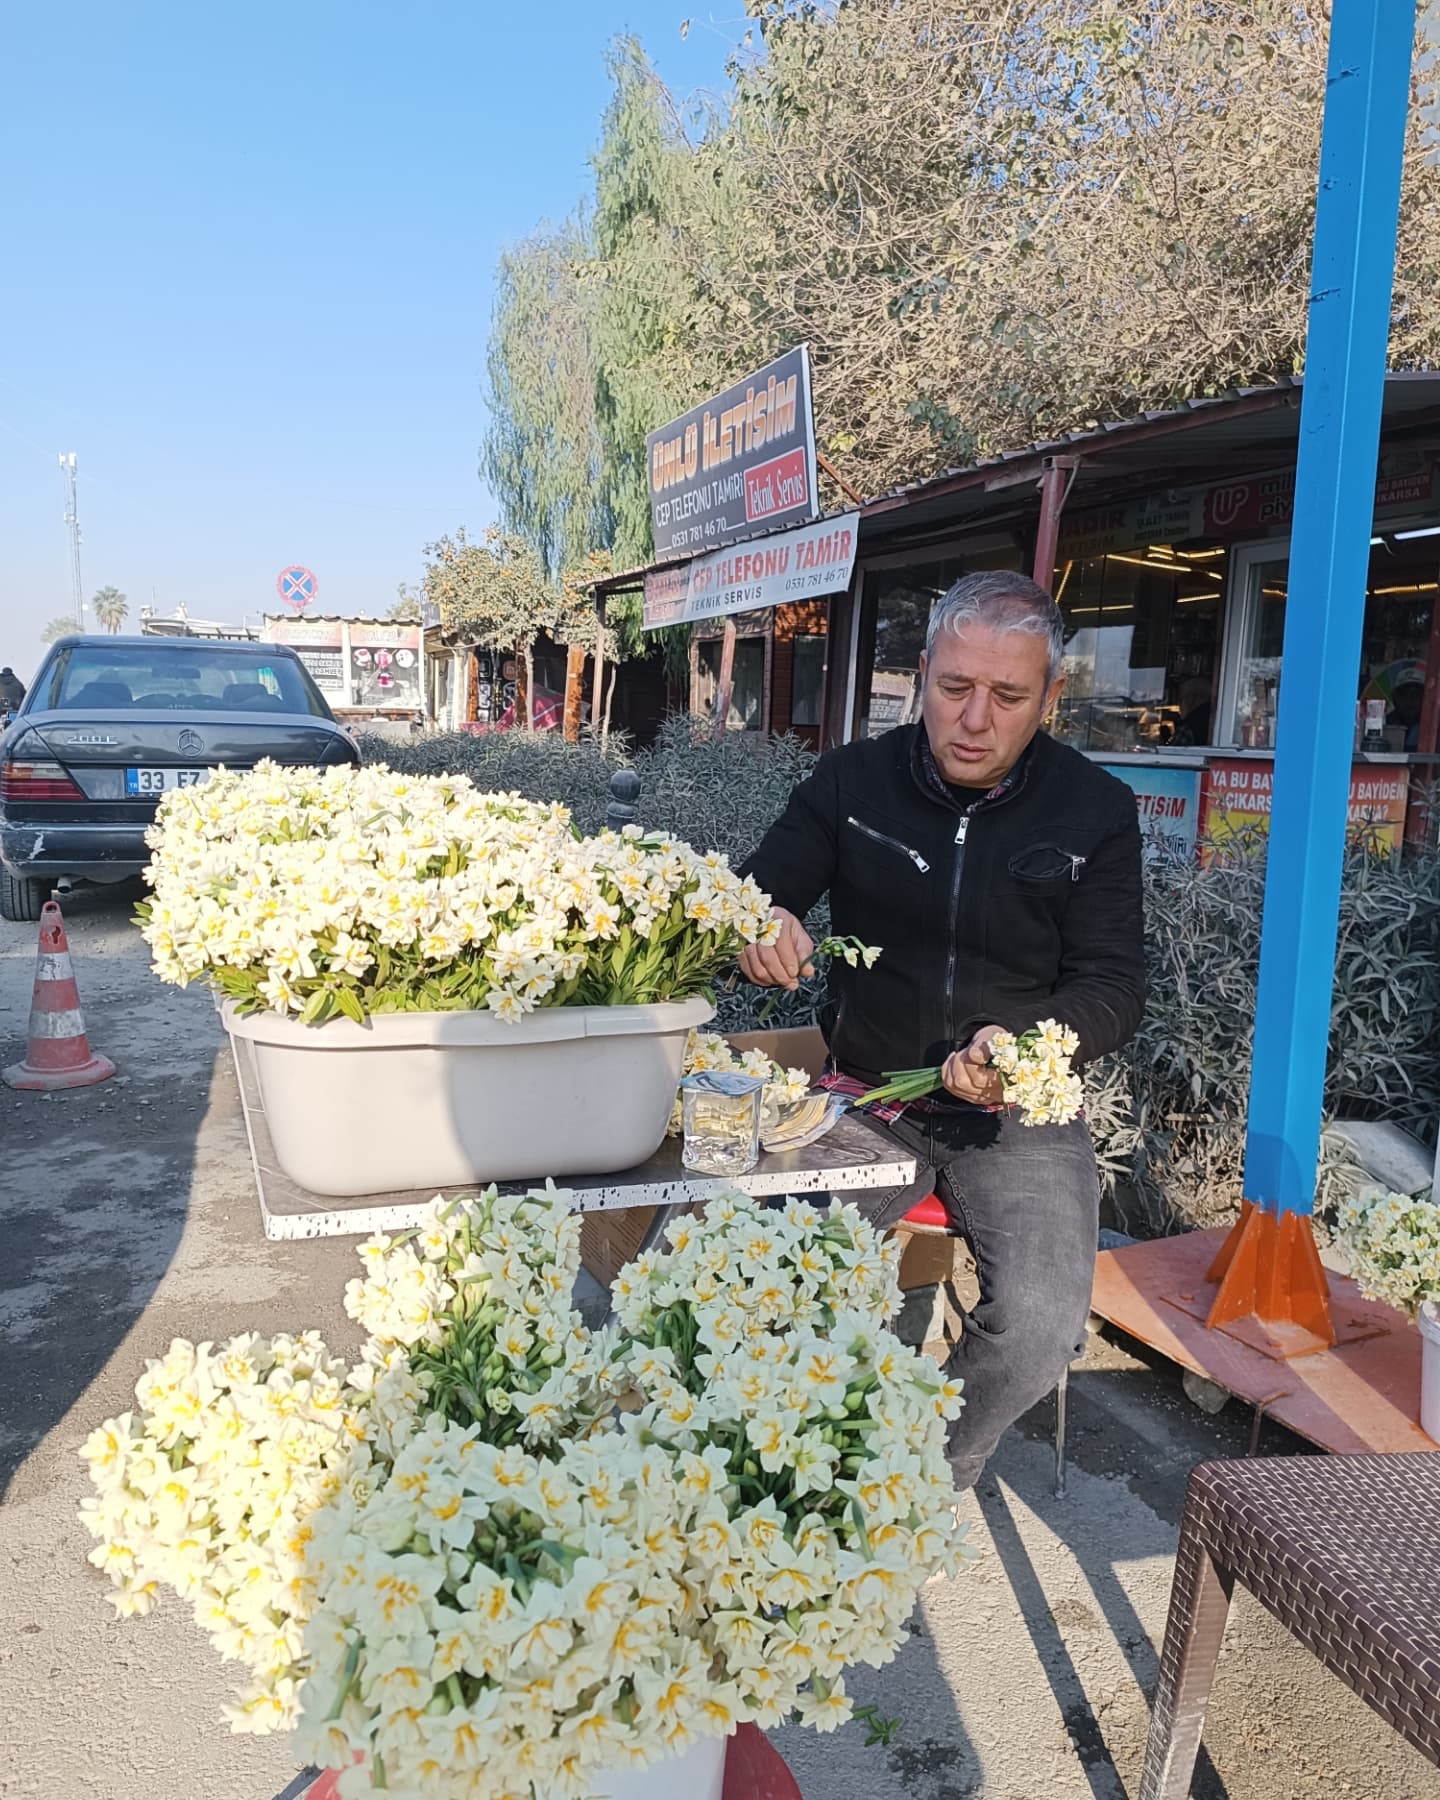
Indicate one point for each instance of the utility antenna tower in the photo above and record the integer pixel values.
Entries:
(72, 523)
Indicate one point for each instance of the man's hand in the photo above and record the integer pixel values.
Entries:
(782, 963)
(968, 1074)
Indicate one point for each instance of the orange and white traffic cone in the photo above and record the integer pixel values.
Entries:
(58, 1054)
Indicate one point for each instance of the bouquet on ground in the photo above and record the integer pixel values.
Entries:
(505, 1556)
(1035, 1070)
(1393, 1241)
(323, 893)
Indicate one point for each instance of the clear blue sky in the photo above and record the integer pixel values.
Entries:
(248, 256)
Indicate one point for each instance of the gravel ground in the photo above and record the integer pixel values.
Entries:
(129, 1217)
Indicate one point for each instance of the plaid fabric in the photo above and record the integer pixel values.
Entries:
(938, 785)
(888, 1111)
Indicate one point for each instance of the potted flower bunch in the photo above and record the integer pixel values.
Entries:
(1393, 1242)
(503, 1557)
(521, 994)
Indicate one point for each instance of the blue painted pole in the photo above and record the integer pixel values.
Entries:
(1357, 207)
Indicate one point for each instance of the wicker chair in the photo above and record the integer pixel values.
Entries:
(1344, 1552)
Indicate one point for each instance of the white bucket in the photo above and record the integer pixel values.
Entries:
(437, 1100)
(1428, 1319)
(699, 1774)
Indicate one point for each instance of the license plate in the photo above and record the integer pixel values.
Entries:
(157, 781)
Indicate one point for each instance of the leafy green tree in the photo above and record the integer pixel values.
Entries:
(494, 593)
(111, 609)
(542, 455)
(992, 224)
(58, 628)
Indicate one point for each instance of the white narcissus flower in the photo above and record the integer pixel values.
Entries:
(576, 1588)
(291, 888)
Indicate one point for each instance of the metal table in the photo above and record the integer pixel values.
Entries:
(850, 1156)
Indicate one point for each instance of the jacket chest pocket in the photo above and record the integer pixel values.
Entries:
(891, 845)
(1044, 869)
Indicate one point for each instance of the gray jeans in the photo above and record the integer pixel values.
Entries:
(1026, 1198)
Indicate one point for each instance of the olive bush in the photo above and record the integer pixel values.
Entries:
(540, 765)
(1169, 1110)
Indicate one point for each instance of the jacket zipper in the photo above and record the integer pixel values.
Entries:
(891, 843)
(1077, 863)
(962, 830)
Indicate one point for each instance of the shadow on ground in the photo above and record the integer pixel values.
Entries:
(96, 1181)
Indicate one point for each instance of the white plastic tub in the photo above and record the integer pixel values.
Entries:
(434, 1100)
(1428, 1319)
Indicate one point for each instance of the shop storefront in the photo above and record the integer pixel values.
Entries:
(1171, 567)
(1170, 562)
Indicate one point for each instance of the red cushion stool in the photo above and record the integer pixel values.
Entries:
(929, 1215)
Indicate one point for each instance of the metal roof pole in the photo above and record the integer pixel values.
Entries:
(1273, 1290)
(1055, 484)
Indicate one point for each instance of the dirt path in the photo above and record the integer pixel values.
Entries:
(127, 1217)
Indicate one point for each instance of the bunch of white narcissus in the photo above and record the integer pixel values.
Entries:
(744, 1269)
(707, 1050)
(479, 1296)
(1394, 1245)
(494, 1623)
(1036, 1074)
(758, 1347)
(497, 1625)
(208, 1486)
(356, 891)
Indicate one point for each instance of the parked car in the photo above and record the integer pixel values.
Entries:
(111, 723)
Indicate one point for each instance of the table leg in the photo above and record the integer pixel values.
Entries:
(1199, 1605)
(1062, 1395)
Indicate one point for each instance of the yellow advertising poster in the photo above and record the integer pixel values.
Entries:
(1237, 801)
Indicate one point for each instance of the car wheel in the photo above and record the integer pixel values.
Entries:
(21, 898)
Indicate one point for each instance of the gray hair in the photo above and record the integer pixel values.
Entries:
(1004, 601)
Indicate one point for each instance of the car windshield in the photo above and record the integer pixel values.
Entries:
(164, 677)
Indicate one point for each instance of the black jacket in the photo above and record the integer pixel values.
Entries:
(1022, 907)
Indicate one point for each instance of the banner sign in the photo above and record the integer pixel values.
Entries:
(1237, 801)
(1260, 504)
(371, 665)
(737, 465)
(1100, 529)
(320, 646)
(1168, 801)
(793, 565)
(1265, 503)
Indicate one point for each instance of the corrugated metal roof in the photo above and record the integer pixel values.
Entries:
(1090, 435)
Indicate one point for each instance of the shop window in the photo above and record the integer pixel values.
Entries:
(747, 686)
(894, 619)
(807, 679)
(1142, 646)
(1400, 593)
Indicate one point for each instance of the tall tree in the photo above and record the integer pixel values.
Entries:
(992, 224)
(542, 454)
(111, 609)
(56, 629)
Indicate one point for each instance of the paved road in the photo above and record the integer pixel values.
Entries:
(127, 1217)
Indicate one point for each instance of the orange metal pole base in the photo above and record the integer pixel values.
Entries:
(1274, 1294)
